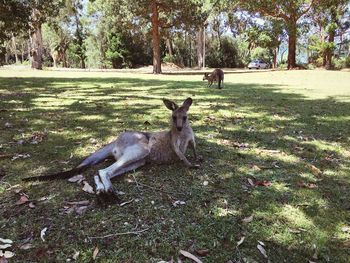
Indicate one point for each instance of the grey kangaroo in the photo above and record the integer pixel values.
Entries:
(134, 149)
(216, 76)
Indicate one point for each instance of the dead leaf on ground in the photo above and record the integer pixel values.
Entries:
(94, 254)
(20, 156)
(248, 219)
(84, 202)
(126, 202)
(190, 256)
(80, 210)
(3, 260)
(178, 202)
(31, 205)
(262, 250)
(202, 252)
(88, 188)
(250, 181)
(256, 168)
(43, 233)
(240, 242)
(306, 185)
(26, 246)
(22, 200)
(314, 169)
(76, 255)
(263, 183)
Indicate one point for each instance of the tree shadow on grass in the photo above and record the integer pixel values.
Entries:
(244, 131)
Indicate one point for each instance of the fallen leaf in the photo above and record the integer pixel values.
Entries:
(263, 183)
(84, 202)
(314, 170)
(31, 205)
(190, 256)
(250, 181)
(94, 255)
(88, 188)
(80, 209)
(18, 156)
(306, 185)
(240, 242)
(22, 200)
(345, 229)
(76, 255)
(26, 246)
(202, 252)
(178, 202)
(248, 219)
(42, 233)
(8, 241)
(127, 202)
(3, 260)
(255, 167)
(261, 243)
(77, 179)
(262, 250)
(4, 246)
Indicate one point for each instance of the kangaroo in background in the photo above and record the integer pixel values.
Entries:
(134, 149)
(216, 76)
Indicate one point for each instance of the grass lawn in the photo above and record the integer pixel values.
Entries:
(276, 146)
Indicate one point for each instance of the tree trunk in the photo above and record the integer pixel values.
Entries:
(14, 46)
(37, 40)
(292, 44)
(155, 39)
(169, 46)
(200, 47)
(275, 52)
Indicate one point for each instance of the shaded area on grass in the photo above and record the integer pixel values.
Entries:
(244, 131)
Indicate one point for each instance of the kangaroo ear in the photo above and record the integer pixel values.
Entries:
(187, 103)
(170, 104)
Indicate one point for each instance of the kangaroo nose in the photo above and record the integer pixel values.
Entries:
(179, 128)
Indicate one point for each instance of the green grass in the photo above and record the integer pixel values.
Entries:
(272, 126)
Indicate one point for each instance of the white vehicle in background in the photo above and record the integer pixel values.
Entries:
(258, 64)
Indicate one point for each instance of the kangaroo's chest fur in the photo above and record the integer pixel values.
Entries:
(161, 145)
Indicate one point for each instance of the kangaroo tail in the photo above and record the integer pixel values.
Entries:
(91, 160)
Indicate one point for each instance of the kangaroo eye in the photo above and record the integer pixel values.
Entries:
(184, 118)
(174, 118)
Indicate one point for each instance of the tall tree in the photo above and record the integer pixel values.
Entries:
(288, 11)
(41, 10)
(155, 15)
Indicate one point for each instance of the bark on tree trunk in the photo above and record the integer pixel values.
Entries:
(37, 47)
(292, 44)
(200, 47)
(275, 52)
(14, 46)
(155, 39)
(169, 46)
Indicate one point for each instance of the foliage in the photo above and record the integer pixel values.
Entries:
(261, 53)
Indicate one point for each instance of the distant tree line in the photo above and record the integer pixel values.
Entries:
(189, 33)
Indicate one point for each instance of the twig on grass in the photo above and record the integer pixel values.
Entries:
(120, 234)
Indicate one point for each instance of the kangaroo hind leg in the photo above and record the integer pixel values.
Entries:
(132, 157)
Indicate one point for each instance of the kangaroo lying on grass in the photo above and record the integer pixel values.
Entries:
(134, 149)
(216, 76)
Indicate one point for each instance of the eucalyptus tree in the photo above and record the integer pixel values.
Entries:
(289, 12)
